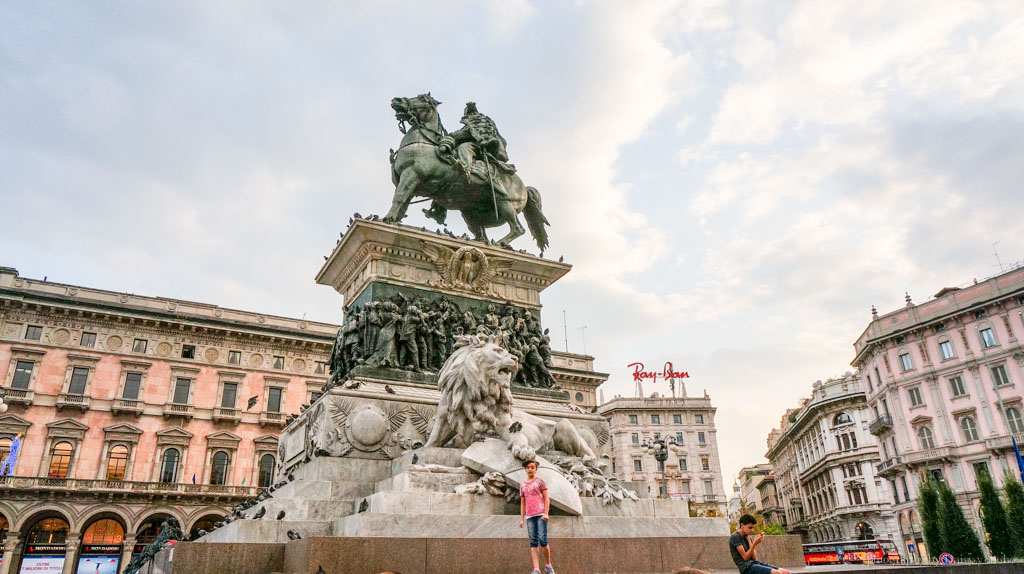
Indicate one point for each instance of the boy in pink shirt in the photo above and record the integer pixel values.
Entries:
(534, 509)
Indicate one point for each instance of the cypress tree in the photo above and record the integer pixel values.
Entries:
(928, 508)
(1000, 541)
(957, 533)
(1015, 505)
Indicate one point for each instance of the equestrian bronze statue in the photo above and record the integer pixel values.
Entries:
(466, 170)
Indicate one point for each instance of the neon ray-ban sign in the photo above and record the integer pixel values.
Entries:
(667, 372)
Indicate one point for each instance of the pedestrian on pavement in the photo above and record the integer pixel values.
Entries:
(534, 511)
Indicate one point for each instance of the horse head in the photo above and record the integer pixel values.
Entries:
(418, 111)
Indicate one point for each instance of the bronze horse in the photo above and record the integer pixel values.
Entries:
(424, 166)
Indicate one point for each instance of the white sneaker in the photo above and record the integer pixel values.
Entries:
(535, 571)
(549, 570)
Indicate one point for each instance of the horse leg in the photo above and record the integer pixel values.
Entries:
(476, 228)
(509, 215)
(407, 184)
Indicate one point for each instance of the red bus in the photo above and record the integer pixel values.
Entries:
(879, 550)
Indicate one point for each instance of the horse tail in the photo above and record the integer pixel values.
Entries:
(535, 218)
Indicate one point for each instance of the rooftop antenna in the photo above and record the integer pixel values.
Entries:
(584, 330)
(996, 253)
(565, 331)
(671, 380)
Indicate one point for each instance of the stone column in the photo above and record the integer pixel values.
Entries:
(10, 545)
(983, 398)
(71, 553)
(127, 545)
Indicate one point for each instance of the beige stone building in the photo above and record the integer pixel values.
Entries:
(692, 471)
(749, 479)
(824, 460)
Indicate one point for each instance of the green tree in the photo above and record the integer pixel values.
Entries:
(928, 507)
(1000, 540)
(772, 529)
(957, 534)
(1015, 505)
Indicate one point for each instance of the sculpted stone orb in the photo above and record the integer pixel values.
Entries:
(367, 427)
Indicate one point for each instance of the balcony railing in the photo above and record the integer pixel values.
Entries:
(85, 485)
(1004, 442)
(888, 465)
(126, 406)
(17, 396)
(224, 414)
(269, 418)
(942, 452)
(880, 425)
(710, 498)
(68, 400)
(177, 410)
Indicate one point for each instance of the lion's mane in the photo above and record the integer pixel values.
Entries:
(474, 402)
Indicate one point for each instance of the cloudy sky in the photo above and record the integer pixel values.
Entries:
(735, 183)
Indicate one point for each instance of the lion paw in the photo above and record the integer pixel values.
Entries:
(523, 452)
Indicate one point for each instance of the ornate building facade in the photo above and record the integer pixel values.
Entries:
(133, 409)
(692, 471)
(749, 479)
(943, 381)
(824, 461)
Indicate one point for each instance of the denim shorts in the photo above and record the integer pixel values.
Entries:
(759, 568)
(538, 530)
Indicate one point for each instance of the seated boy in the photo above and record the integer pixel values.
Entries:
(744, 550)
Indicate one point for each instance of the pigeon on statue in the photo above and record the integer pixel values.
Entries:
(280, 515)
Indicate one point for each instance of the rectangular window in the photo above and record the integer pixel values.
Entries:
(686, 487)
(22, 374)
(700, 438)
(655, 420)
(638, 466)
(88, 339)
(274, 400)
(956, 386)
(278, 362)
(139, 346)
(132, 382)
(914, 394)
(869, 383)
(182, 386)
(234, 357)
(635, 438)
(657, 435)
(662, 489)
(228, 397)
(33, 333)
(999, 376)
(632, 419)
(699, 419)
(682, 464)
(320, 368)
(188, 351)
(705, 463)
(679, 438)
(878, 376)
(980, 469)
(946, 347)
(677, 419)
(79, 376)
(906, 492)
(709, 487)
(988, 338)
(661, 466)
(906, 362)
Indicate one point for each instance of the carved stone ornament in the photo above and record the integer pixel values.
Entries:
(468, 268)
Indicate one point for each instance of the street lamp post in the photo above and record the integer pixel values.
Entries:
(659, 447)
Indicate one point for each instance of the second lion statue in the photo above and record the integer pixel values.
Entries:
(476, 400)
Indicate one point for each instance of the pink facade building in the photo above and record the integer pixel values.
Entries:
(943, 382)
(134, 409)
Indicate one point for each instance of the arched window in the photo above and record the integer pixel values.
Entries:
(219, 471)
(105, 531)
(205, 523)
(48, 531)
(266, 470)
(1012, 417)
(169, 466)
(841, 419)
(927, 440)
(60, 460)
(969, 428)
(117, 462)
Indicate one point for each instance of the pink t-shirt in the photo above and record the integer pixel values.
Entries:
(533, 493)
